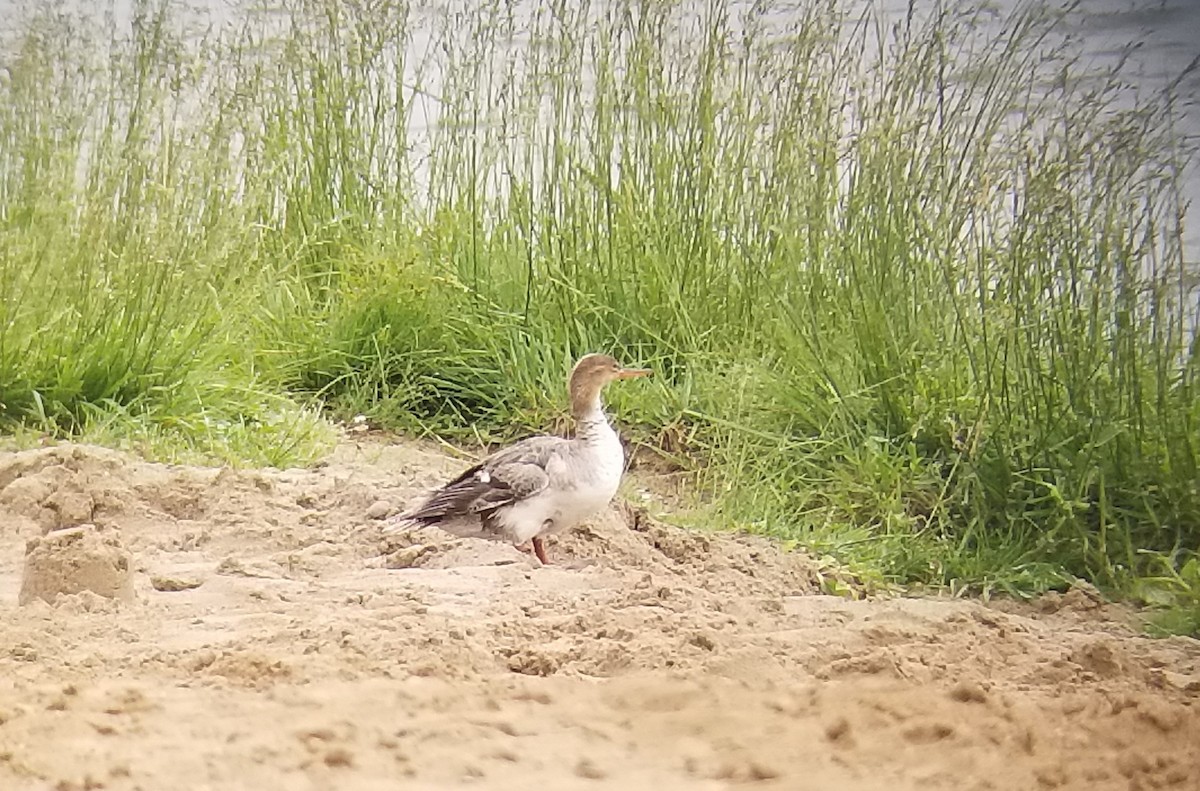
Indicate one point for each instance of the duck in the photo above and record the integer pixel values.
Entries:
(542, 485)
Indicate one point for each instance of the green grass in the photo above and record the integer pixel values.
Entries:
(923, 311)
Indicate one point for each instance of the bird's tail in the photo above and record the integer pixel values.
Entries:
(401, 522)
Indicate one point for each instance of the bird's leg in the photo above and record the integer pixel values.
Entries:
(539, 549)
(533, 547)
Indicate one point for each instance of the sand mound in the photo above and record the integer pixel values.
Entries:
(72, 561)
(60, 487)
(281, 639)
(626, 539)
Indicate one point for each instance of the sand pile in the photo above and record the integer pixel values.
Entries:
(74, 560)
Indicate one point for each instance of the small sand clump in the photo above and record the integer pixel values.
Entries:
(74, 560)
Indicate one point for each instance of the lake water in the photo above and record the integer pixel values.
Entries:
(1159, 39)
(1160, 42)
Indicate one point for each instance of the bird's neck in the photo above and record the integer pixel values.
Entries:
(591, 424)
(585, 399)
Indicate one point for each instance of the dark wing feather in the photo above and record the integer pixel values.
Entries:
(505, 477)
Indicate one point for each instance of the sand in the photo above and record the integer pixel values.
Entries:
(267, 634)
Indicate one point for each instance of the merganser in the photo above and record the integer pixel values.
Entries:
(541, 485)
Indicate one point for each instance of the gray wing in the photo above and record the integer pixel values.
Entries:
(467, 504)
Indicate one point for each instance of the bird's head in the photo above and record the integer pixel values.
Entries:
(591, 374)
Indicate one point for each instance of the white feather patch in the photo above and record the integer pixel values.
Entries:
(483, 477)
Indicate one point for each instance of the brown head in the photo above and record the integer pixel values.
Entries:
(590, 375)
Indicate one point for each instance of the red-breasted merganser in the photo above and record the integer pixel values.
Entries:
(540, 485)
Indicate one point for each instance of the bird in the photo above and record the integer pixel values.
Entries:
(541, 485)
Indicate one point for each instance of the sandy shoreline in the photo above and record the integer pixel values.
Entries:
(272, 637)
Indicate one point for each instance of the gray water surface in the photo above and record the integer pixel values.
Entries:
(1159, 41)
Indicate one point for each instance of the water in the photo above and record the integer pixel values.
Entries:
(1159, 41)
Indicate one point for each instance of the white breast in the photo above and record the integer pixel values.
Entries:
(583, 481)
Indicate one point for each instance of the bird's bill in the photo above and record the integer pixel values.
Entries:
(633, 373)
